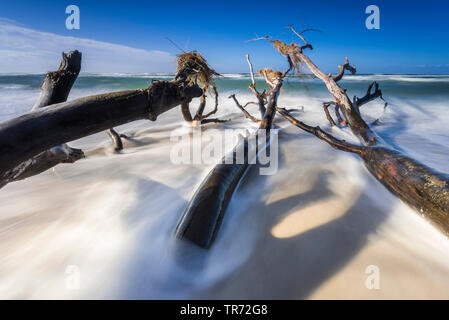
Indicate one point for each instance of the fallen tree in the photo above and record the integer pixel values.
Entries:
(22, 138)
(204, 214)
(417, 185)
(55, 89)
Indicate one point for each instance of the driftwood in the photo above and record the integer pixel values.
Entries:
(204, 214)
(205, 75)
(21, 138)
(55, 89)
(417, 185)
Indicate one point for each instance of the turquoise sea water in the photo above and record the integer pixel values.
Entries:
(17, 92)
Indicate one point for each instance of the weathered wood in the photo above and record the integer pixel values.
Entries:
(358, 126)
(204, 214)
(204, 78)
(57, 84)
(55, 88)
(295, 52)
(416, 184)
(21, 138)
(115, 137)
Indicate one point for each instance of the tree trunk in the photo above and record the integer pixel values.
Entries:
(417, 185)
(204, 214)
(57, 84)
(21, 138)
(54, 89)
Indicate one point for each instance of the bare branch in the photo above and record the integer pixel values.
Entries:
(115, 137)
(318, 132)
(214, 120)
(214, 89)
(259, 38)
(290, 67)
(250, 102)
(246, 113)
(326, 111)
(358, 102)
(185, 110)
(299, 34)
(342, 68)
(260, 99)
(358, 126)
(251, 70)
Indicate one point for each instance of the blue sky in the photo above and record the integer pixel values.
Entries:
(130, 36)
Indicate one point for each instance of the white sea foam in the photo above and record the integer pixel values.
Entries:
(392, 77)
(309, 231)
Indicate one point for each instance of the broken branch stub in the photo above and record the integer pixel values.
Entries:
(55, 88)
(57, 84)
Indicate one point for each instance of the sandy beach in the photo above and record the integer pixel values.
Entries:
(309, 231)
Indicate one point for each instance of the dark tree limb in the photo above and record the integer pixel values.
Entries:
(417, 185)
(199, 114)
(358, 102)
(115, 137)
(42, 162)
(340, 119)
(319, 133)
(21, 138)
(214, 120)
(204, 77)
(55, 88)
(57, 84)
(199, 117)
(185, 111)
(205, 212)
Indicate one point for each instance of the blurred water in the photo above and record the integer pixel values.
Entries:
(309, 231)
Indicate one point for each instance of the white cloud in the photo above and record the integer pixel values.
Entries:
(25, 50)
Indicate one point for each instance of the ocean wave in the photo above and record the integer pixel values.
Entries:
(400, 78)
(235, 75)
(126, 75)
(14, 86)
